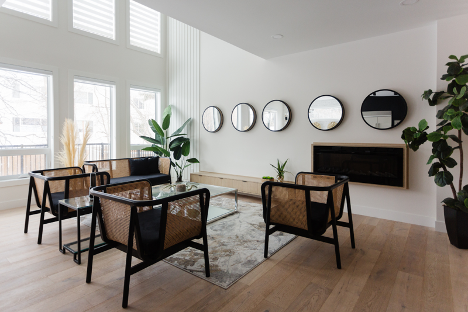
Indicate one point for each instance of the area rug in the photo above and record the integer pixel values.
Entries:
(235, 245)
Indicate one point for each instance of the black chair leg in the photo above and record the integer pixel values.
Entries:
(28, 209)
(337, 247)
(267, 236)
(350, 220)
(41, 226)
(89, 270)
(205, 252)
(126, 290)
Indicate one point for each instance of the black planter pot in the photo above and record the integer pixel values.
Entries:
(456, 222)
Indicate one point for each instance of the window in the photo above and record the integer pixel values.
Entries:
(25, 103)
(95, 16)
(144, 105)
(102, 94)
(37, 8)
(145, 27)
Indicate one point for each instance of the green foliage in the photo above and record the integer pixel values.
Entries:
(267, 177)
(454, 117)
(163, 144)
(279, 168)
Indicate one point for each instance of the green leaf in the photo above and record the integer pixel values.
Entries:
(443, 178)
(449, 162)
(166, 122)
(463, 58)
(447, 128)
(434, 136)
(155, 127)
(423, 125)
(450, 202)
(466, 202)
(193, 161)
(181, 128)
(456, 123)
(462, 93)
(455, 138)
(167, 111)
(430, 160)
(454, 69)
(462, 79)
(158, 150)
(186, 148)
(177, 135)
(443, 122)
(426, 95)
(177, 142)
(157, 140)
(453, 57)
(177, 153)
(435, 167)
(464, 107)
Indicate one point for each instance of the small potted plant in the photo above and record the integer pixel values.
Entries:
(267, 178)
(280, 170)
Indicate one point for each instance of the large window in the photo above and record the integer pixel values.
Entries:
(95, 16)
(145, 27)
(93, 103)
(38, 8)
(25, 101)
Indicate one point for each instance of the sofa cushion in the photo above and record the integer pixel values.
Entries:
(149, 222)
(153, 165)
(138, 166)
(155, 179)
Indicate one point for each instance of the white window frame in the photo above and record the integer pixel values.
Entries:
(52, 113)
(162, 34)
(100, 79)
(143, 87)
(115, 41)
(53, 22)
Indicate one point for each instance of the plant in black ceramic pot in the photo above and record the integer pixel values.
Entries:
(450, 130)
(178, 143)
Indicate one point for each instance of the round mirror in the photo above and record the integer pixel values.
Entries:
(243, 117)
(212, 119)
(384, 109)
(276, 115)
(326, 112)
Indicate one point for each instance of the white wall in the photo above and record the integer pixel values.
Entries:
(25, 40)
(404, 62)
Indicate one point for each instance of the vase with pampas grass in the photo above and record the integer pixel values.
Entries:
(70, 156)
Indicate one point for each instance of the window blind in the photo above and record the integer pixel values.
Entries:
(95, 16)
(38, 8)
(145, 27)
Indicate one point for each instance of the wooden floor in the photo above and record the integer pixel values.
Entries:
(395, 267)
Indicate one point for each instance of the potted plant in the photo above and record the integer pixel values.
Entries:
(267, 178)
(280, 170)
(177, 143)
(454, 122)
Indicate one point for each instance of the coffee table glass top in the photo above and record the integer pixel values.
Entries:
(77, 202)
(163, 190)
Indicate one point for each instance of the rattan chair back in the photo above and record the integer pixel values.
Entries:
(288, 207)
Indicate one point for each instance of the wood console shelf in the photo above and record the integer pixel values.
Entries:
(245, 185)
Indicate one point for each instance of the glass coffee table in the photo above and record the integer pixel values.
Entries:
(215, 212)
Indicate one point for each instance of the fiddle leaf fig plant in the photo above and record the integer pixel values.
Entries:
(177, 143)
(454, 122)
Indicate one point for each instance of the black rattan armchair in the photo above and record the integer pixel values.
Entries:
(308, 208)
(51, 185)
(150, 230)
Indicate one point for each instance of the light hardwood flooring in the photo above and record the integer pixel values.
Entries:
(395, 267)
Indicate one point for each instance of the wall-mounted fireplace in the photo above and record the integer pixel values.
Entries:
(377, 164)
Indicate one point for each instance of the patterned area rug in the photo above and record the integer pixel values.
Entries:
(235, 245)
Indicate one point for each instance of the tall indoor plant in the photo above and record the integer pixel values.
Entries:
(454, 123)
(178, 143)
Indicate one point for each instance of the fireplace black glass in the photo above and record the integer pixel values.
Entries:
(373, 165)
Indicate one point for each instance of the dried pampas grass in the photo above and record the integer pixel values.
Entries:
(68, 157)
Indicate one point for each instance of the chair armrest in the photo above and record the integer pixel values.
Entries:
(165, 165)
(38, 173)
(306, 187)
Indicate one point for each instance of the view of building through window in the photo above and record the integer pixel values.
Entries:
(24, 102)
(144, 105)
(93, 103)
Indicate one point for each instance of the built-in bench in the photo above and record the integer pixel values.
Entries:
(155, 169)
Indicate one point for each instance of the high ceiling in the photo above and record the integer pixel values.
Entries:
(305, 24)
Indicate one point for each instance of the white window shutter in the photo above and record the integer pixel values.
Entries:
(38, 8)
(95, 16)
(145, 27)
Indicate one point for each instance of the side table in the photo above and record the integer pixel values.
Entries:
(82, 205)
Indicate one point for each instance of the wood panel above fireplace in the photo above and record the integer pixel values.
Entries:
(375, 164)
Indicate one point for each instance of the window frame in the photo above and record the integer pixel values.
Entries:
(115, 41)
(74, 75)
(162, 34)
(52, 113)
(143, 87)
(53, 22)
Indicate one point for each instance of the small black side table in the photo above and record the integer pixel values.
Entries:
(82, 205)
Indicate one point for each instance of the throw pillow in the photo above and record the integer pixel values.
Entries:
(139, 166)
(153, 165)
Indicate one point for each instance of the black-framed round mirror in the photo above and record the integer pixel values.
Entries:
(384, 109)
(326, 112)
(212, 119)
(243, 117)
(276, 115)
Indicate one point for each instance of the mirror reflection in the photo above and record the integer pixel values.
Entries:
(243, 117)
(276, 115)
(212, 119)
(384, 109)
(326, 112)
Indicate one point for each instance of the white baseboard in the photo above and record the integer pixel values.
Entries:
(13, 203)
(394, 215)
(440, 226)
